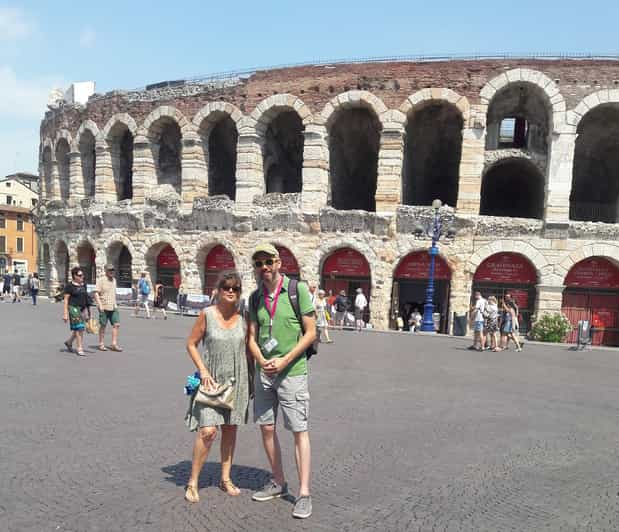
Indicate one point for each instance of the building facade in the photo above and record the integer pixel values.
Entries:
(338, 165)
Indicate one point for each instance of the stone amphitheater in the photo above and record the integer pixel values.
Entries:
(338, 164)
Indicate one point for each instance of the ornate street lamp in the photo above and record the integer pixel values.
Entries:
(434, 230)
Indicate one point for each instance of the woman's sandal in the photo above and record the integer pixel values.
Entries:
(69, 346)
(191, 493)
(228, 487)
(116, 348)
(102, 347)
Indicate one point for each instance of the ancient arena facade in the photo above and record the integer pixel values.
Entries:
(338, 164)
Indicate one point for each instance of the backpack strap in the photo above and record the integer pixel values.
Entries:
(293, 295)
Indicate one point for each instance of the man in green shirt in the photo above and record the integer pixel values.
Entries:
(277, 342)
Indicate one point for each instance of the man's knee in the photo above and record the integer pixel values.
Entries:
(208, 434)
(267, 430)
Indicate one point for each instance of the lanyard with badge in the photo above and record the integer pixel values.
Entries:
(271, 343)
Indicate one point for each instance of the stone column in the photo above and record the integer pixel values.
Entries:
(315, 168)
(144, 175)
(390, 160)
(42, 185)
(194, 172)
(559, 178)
(105, 189)
(249, 171)
(76, 183)
(549, 299)
(54, 193)
(471, 168)
(459, 294)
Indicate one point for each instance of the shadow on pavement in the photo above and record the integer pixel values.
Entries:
(245, 477)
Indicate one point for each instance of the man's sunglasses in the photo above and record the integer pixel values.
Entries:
(261, 263)
(79, 275)
(236, 289)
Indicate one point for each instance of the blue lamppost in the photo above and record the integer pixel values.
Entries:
(434, 230)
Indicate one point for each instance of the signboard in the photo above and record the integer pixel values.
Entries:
(417, 266)
(346, 262)
(289, 262)
(168, 259)
(219, 259)
(595, 272)
(506, 268)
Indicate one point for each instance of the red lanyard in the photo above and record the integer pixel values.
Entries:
(271, 310)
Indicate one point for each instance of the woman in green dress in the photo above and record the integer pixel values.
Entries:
(223, 331)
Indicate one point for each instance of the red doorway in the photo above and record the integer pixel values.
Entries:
(513, 273)
(219, 259)
(168, 272)
(592, 293)
(289, 266)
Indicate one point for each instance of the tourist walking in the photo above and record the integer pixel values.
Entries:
(360, 305)
(281, 329)
(414, 321)
(331, 307)
(181, 297)
(34, 288)
(159, 301)
(76, 310)
(222, 331)
(322, 323)
(6, 285)
(144, 289)
(105, 298)
(492, 323)
(16, 284)
(478, 316)
(341, 308)
(508, 316)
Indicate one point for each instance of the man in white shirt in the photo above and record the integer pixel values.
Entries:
(478, 310)
(360, 303)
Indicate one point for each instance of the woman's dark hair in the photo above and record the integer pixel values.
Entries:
(35, 275)
(227, 276)
(75, 270)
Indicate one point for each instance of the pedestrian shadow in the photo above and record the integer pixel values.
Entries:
(245, 477)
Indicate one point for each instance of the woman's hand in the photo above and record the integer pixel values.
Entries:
(207, 380)
(65, 318)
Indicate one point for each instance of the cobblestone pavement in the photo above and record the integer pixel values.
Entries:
(409, 433)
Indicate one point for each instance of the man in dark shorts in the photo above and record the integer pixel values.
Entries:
(105, 297)
(6, 287)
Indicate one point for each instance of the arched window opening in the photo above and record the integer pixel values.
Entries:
(518, 117)
(120, 141)
(62, 262)
(283, 153)
(513, 187)
(354, 141)
(62, 158)
(47, 172)
(219, 142)
(432, 153)
(595, 181)
(120, 257)
(167, 150)
(86, 256)
(89, 162)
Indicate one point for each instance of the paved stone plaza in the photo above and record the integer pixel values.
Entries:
(409, 433)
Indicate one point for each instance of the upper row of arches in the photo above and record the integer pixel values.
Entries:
(523, 108)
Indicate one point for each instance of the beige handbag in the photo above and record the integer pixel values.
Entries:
(221, 397)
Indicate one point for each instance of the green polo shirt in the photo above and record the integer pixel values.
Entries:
(286, 326)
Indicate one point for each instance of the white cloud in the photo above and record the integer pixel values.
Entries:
(87, 37)
(20, 98)
(14, 24)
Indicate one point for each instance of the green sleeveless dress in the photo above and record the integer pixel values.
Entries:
(224, 356)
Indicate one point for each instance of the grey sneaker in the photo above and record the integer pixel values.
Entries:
(302, 507)
(271, 490)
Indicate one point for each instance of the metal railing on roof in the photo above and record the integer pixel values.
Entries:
(423, 58)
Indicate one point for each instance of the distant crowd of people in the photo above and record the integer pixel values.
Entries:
(14, 286)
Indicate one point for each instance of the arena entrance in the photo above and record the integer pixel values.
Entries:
(410, 282)
(509, 272)
(86, 256)
(592, 294)
(346, 269)
(218, 260)
(289, 264)
(168, 272)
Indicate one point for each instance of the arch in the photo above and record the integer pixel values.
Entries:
(353, 99)
(90, 126)
(354, 131)
(217, 124)
(165, 134)
(63, 134)
(120, 255)
(47, 158)
(270, 107)
(533, 77)
(86, 145)
(512, 187)
(594, 195)
(424, 97)
(328, 246)
(539, 262)
(87, 259)
(588, 251)
(63, 148)
(168, 272)
(446, 260)
(212, 259)
(589, 103)
(124, 119)
(171, 113)
(432, 152)
(61, 261)
(289, 263)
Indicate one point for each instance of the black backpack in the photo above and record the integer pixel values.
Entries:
(293, 296)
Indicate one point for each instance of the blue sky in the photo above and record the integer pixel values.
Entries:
(131, 43)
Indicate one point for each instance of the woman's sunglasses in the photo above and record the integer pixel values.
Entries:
(261, 263)
(236, 289)
(79, 275)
